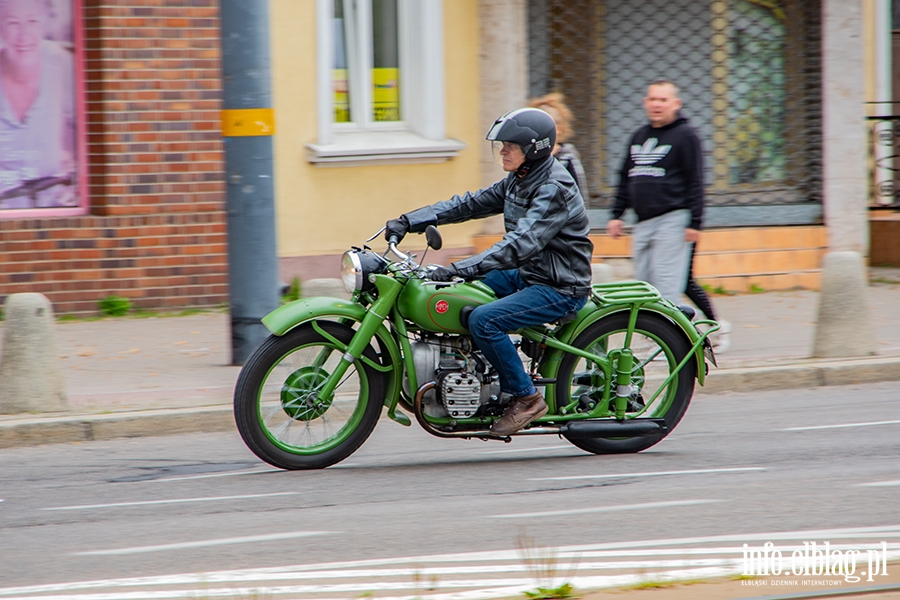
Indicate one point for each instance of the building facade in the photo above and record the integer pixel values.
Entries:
(381, 106)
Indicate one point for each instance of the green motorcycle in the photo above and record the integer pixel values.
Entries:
(617, 376)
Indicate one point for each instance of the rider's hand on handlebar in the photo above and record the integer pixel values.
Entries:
(444, 273)
(396, 228)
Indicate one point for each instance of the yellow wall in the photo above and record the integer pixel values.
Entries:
(868, 14)
(325, 210)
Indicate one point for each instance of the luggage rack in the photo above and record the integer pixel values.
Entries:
(624, 292)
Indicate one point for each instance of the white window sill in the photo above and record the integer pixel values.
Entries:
(371, 148)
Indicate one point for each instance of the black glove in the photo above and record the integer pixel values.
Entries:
(397, 228)
(444, 273)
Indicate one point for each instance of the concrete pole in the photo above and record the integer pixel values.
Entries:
(843, 327)
(503, 60)
(880, 105)
(248, 124)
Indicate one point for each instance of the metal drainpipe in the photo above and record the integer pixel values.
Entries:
(884, 132)
(247, 127)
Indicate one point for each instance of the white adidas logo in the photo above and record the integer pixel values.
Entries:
(649, 153)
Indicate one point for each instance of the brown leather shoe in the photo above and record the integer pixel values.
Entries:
(520, 412)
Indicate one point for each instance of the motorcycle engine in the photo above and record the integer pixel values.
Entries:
(464, 381)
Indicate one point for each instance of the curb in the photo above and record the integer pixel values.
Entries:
(30, 430)
(34, 431)
(802, 375)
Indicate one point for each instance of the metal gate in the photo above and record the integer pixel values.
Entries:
(750, 79)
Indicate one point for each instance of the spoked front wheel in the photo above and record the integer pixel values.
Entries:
(658, 346)
(277, 406)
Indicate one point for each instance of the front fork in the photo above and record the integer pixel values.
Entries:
(388, 290)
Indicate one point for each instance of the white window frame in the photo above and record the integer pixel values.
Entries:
(421, 135)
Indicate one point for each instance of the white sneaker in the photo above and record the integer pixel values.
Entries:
(721, 341)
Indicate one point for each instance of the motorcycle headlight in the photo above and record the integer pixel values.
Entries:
(356, 266)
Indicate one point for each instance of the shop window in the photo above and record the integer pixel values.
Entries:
(380, 82)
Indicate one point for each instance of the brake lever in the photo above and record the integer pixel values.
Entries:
(377, 233)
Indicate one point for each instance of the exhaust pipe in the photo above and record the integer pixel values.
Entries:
(583, 430)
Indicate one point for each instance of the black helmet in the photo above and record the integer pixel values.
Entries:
(531, 128)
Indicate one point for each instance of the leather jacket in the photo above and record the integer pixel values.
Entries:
(546, 228)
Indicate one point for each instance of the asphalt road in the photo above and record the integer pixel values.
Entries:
(407, 514)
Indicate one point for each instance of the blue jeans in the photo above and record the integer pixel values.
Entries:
(520, 305)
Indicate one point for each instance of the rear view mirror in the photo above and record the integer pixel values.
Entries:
(433, 237)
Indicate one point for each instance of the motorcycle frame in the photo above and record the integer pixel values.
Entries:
(397, 358)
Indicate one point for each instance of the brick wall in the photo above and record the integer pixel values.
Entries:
(156, 228)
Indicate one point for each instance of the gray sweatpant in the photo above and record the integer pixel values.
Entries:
(660, 253)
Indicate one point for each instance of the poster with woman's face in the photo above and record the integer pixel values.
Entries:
(39, 149)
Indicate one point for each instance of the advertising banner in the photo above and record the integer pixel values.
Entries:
(41, 152)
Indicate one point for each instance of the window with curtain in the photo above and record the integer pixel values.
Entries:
(366, 62)
(381, 82)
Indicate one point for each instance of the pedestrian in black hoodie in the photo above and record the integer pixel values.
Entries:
(662, 180)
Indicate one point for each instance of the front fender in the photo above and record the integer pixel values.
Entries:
(291, 315)
(592, 313)
(287, 316)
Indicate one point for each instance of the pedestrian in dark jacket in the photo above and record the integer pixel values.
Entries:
(662, 180)
(554, 105)
(540, 270)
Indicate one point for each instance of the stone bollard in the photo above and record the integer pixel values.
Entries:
(843, 327)
(332, 288)
(30, 376)
(602, 273)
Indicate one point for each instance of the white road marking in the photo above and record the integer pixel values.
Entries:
(174, 501)
(203, 543)
(484, 588)
(596, 509)
(841, 425)
(211, 475)
(649, 474)
(893, 483)
(566, 447)
(420, 576)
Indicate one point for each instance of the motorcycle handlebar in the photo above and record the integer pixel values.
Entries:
(392, 246)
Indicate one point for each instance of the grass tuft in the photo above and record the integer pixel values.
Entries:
(563, 591)
(293, 291)
(114, 306)
(543, 565)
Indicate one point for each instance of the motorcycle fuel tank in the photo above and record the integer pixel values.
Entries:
(435, 307)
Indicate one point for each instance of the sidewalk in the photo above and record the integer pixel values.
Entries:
(131, 377)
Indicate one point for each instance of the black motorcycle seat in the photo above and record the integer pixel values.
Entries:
(565, 319)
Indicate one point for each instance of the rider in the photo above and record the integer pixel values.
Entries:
(540, 270)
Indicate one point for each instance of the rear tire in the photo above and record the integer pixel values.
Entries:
(658, 346)
(278, 414)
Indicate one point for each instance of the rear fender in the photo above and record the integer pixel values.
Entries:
(321, 308)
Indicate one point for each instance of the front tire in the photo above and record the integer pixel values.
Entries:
(658, 346)
(278, 414)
